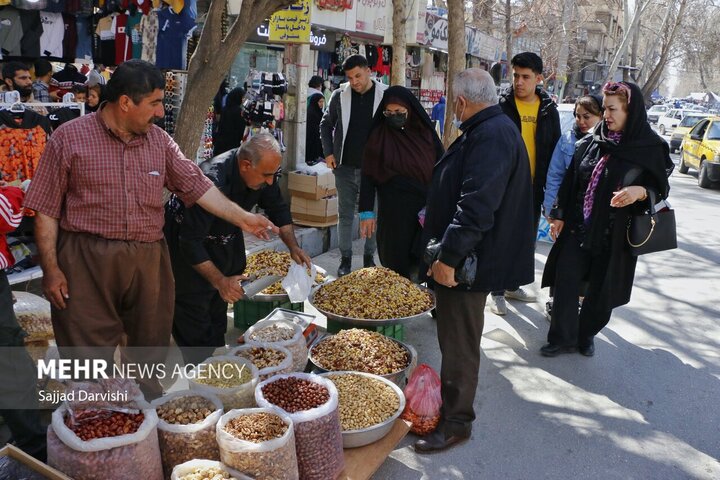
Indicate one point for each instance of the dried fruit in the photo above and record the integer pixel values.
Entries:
(360, 351)
(270, 262)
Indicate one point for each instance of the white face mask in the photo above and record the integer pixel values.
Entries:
(456, 121)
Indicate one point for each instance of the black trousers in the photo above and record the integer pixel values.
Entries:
(199, 324)
(460, 321)
(17, 381)
(575, 269)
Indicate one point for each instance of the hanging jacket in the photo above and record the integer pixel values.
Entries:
(10, 216)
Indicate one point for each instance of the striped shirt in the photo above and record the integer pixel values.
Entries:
(10, 217)
(95, 183)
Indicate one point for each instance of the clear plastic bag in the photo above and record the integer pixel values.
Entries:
(124, 457)
(297, 283)
(285, 366)
(318, 435)
(237, 396)
(263, 332)
(270, 460)
(423, 400)
(180, 443)
(201, 469)
(33, 315)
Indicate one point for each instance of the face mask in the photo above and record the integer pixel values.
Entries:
(397, 121)
(456, 121)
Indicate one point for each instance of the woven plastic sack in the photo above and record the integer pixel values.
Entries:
(260, 333)
(239, 396)
(200, 468)
(423, 400)
(286, 366)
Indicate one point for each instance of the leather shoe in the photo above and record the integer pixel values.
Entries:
(345, 266)
(368, 261)
(587, 350)
(551, 350)
(437, 441)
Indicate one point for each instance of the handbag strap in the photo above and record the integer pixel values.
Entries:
(653, 221)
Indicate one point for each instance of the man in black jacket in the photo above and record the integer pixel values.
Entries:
(480, 200)
(536, 116)
(208, 253)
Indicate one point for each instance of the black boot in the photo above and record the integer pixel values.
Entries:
(368, 261)
(345, 266)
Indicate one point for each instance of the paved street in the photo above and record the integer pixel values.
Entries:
(645, 407)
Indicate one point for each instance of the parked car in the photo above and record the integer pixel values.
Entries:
(655, 112)
(671, 119)
(685, 125)
(567, 116)
(700, 150)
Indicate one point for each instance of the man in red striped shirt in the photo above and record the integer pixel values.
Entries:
(98, 194)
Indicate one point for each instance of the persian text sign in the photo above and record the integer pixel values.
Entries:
(292, 24)
(371, 16)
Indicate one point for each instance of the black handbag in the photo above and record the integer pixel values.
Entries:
(465, 274)
(652, 231)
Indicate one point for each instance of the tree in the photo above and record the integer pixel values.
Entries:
(640, 7)
(399, 19)
(211, 62)
(456, 58)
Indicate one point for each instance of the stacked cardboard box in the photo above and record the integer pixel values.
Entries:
(313, 199)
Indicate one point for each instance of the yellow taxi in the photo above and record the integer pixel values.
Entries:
(700, 150)
(685, 125)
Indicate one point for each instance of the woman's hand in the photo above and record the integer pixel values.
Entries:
(627, 196)
(556, 227)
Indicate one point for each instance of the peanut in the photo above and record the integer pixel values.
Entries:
(207, 473)
(364, 401)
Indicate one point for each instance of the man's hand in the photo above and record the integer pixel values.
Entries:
(230, 289)
(258, 225)
(367, 228)
(442, 274)
(300, 257)
(330, 161)
(55, 287)
(556, 227)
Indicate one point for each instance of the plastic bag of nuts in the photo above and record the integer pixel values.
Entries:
(33, 315)
(311, 402)
(268, 358)
(186, 427)
(259, 442)
(123, 457)
(232, 379)
(283, 333)
(205, 469)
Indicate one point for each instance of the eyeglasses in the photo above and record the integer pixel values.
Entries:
(277, 174)
(392, 113)
(612, 88)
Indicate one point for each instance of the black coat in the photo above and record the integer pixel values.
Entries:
(546, 136)
(480, 200)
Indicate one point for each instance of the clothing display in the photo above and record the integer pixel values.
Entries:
(123, 41)
(174, 30)
(149, 27)
(51, 41)
(83, 26)
(70, 40)
(32, 31)
(11, 32)
(22, 142)
(63, 81)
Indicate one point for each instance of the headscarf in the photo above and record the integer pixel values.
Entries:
(409, 152)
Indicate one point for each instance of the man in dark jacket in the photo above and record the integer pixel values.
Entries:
(208, 253)
(480, 200)
(536, 117)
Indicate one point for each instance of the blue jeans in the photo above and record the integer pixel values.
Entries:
(347, 181)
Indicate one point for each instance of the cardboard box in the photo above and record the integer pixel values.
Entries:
(36, 465)
(325, 207)
(312, 187)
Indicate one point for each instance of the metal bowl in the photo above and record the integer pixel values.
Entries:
(366, 436)
(380, 322)
(283, 297)
(398, 378)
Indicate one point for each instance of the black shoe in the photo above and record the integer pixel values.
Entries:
(368, 261)
(550, 350)
(587, 350)
(437, 441)
(345, 266)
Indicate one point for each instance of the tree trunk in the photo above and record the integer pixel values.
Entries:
(634, 52)
(640, 7)
(399, 19)
(568, 7)
(456, 60)
(508, 37)
(211, 63)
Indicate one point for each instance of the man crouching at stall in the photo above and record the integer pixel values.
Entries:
(480, 201)
(208, 253)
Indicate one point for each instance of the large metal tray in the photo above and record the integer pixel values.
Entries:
(283, 297)
(371, 322)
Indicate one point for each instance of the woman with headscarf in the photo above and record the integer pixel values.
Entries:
(608, 181)
(232, 124)
(313, 145)
(397, 165)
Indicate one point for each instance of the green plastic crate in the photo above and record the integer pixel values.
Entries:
(247, 312)
(393, 331)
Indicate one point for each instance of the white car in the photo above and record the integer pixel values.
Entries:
(655, 112)
(668, 122)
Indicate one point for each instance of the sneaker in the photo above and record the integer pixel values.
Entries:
(520, 294)
(498, 305)
(345, 266)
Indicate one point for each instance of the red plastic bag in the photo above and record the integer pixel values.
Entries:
(423, 400)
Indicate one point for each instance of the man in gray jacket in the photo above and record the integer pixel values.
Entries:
(344, 130)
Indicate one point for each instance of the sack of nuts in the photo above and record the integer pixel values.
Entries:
(33, 315)
(269, 359)
(259, 442)
(93, 445)
(186, 427)
(311, 402)
(205, 469)
(283, 333)
(232, 379)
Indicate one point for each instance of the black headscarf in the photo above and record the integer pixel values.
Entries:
(313, 145)
(410, 152)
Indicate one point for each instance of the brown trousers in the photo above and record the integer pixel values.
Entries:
(460, 322)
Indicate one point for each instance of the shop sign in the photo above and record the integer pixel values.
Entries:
(431, 95)
(371, 16)
(436, 32)
(291, 24)
(337, 19)
(334, 5)
(415, 25)
(318, 40)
